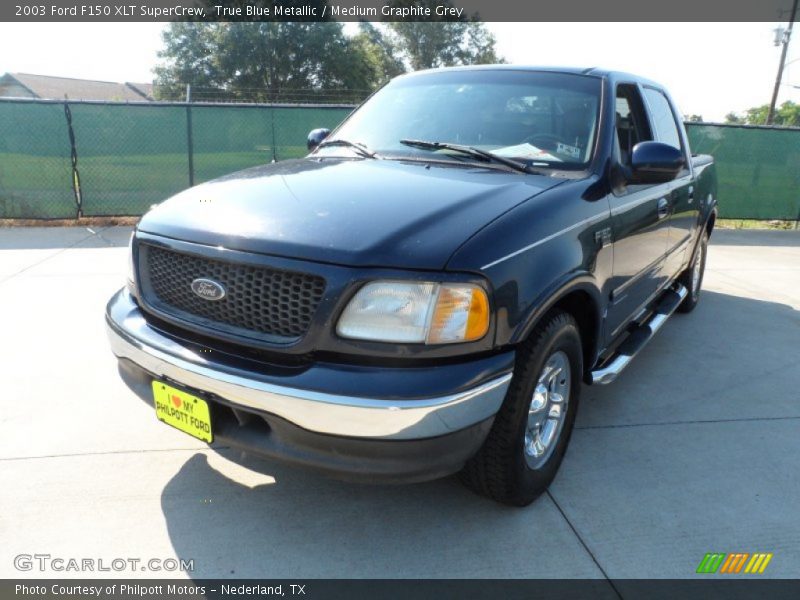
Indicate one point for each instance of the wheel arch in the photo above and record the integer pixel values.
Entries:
(580, 298)
(711, 221)
(707, 226)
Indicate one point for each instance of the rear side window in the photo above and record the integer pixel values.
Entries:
(631, 121)
(666, 130)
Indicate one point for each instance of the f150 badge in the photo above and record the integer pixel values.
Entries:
(208, 289)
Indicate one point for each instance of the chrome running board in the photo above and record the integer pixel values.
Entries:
(639, 337)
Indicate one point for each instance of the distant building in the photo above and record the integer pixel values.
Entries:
(25, 85)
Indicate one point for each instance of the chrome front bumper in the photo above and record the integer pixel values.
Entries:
(322, 412)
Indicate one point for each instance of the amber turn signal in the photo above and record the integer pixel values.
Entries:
(461, 315)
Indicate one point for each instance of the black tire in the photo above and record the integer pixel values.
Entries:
(501, 470)
(687, 278)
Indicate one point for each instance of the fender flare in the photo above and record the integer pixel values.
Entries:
(711, 213)
(574, 282)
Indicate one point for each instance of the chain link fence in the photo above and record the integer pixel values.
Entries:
(35, 163)
(61, 159)
(128, 156)
(758, 168)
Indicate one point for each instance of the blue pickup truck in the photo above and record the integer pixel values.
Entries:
(427, 291)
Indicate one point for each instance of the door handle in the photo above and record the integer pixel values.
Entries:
(663, 208)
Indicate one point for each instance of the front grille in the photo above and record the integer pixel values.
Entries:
(258, 299)
(231, 353)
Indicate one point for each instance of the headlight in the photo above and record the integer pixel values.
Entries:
(423, 312)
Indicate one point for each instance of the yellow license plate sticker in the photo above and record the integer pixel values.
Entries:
(183, 411)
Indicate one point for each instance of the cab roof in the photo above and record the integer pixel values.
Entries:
(589, 71)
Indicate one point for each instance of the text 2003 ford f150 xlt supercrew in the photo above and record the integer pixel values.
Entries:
(427, 290)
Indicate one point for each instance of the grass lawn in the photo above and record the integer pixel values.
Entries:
(755, 224)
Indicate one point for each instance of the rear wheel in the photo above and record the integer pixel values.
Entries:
(529, 437)
(692, 277)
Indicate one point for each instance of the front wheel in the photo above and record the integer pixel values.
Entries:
(529, 437)
(692, 278)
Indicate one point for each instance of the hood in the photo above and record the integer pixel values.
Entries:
(355, 212)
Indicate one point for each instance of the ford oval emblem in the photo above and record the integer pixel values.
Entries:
(208, 289)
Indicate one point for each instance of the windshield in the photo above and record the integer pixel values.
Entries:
(539, 118)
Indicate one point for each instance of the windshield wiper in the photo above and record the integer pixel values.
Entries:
(360, 149)
(469, 151)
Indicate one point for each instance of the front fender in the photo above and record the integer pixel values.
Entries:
(541, 252)
(581, 284)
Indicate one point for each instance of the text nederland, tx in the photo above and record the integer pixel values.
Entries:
(135, 589)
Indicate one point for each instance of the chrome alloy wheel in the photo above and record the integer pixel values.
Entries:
(547, 409)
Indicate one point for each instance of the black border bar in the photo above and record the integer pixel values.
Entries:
(387, 10)
(708, 587)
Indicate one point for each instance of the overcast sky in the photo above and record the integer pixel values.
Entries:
(710, 68)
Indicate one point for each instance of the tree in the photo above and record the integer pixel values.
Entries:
(189, 53)
(787, 115)
(693, 118)
(757, 115)
(442, 43)
(262, 61)
(378, 53)
(305, 60)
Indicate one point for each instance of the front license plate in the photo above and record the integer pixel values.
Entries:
(183, 411)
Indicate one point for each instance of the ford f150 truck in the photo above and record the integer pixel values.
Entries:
(426, 292)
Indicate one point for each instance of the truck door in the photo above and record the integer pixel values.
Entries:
(684, 211)
(639, 218)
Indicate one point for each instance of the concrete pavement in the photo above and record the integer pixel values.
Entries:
(693, 450)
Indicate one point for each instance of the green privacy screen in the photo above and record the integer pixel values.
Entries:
(292, 128)
(227, 139)
(230, 138)
(758, 169)
(35, 165)
(130, 156)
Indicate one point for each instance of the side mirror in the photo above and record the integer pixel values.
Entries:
(654, 162)
(315, 137)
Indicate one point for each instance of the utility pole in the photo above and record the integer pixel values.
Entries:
(787, 35)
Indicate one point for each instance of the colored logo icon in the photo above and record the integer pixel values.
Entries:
(735, 562)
